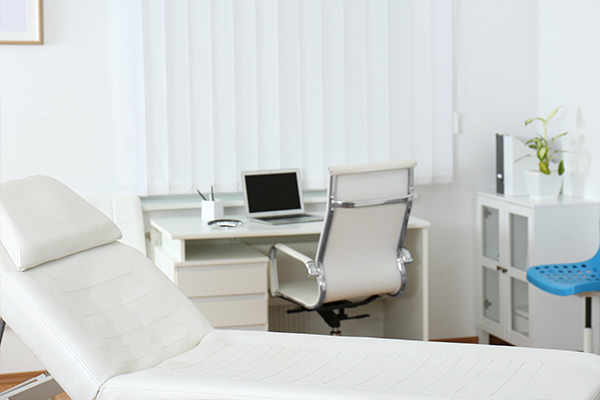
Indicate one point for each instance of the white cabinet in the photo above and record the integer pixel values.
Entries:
(515, 233)
(226, 281)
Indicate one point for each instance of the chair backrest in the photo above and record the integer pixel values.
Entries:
(365, 225)
(88, 307)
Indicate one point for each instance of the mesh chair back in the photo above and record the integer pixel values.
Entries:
(365, 225)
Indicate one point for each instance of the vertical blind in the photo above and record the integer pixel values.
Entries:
(233, 85)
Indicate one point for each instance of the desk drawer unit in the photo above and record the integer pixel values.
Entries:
(248, 312)
(234, 279)
(227, 282)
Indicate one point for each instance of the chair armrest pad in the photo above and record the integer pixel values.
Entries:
(307, 261)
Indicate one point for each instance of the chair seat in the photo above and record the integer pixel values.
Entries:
(266, 365)
(566, 279)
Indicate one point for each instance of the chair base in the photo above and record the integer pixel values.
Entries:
(334, 313)
(41, 387)
(587, 331)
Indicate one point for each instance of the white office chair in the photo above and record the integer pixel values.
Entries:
(109, 325)
(360, 255)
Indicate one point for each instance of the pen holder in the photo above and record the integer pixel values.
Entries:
(212, 209)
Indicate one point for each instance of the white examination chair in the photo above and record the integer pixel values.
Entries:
(107, 324)
(126, 212)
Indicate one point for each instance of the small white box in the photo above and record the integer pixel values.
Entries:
(212, 209)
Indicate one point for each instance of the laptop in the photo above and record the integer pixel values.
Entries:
(275, 197)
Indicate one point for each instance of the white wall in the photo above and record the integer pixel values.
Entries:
(494, 92)
(569, 75)
(56, 100)
(57, 114)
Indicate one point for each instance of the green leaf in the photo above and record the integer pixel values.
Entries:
(557, 136)
(542, 152)
(553, 113)
(530, 120)
(532, 143)
(561, 167)
(544, 168)
(538, 140)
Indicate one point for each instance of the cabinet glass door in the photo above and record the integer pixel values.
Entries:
(490, 219)
(491, 294)
(518, 241)
(519, 313)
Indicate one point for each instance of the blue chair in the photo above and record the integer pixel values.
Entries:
(569, 279)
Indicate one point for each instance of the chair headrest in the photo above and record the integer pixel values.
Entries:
(372, 167)
(43, 220)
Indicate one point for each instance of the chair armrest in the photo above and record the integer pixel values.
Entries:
(308, 262)
(313, 300)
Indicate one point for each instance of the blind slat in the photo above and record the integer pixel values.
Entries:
(232, 85)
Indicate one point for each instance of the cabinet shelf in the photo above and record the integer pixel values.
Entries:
(198, 254)
(522, 313)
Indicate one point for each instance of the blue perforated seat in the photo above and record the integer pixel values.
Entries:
(570, 279)
(567, 279)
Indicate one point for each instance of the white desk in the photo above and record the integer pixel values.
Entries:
(224, 270)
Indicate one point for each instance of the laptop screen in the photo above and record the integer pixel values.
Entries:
(270, 193)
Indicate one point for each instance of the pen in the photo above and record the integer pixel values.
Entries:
(201, 195)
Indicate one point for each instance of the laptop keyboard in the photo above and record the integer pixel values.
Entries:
(289, 219)
(279, 217)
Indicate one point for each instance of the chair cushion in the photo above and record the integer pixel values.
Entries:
(34, 232)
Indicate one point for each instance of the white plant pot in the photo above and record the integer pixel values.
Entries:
(542, 186)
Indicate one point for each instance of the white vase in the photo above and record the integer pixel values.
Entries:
(542, 186)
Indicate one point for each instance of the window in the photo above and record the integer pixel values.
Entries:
(233, 85)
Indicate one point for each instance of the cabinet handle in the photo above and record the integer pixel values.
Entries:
(499, 268)
(487, 304)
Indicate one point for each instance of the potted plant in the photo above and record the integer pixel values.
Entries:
(545, 182)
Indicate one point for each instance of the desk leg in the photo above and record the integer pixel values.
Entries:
(407, 316)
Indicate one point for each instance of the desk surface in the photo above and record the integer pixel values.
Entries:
(195, 228)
